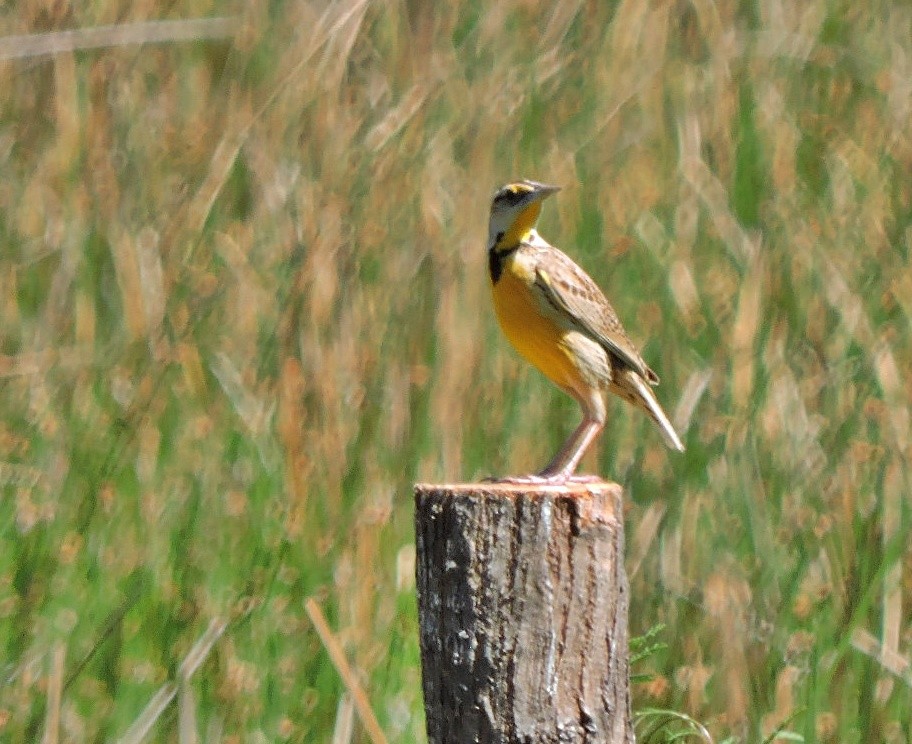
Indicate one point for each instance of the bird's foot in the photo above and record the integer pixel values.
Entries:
(528, 480)
(584, 479)
(547, 479)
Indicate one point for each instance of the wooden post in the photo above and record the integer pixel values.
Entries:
(522, 603)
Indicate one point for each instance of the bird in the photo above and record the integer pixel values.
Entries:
(558, 319)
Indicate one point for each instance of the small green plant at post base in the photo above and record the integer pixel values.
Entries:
(663, 725)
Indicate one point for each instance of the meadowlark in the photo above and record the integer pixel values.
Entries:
(557, 318)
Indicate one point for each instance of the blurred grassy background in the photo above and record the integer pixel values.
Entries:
(245, 307)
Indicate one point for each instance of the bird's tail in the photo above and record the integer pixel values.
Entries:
(645, 399)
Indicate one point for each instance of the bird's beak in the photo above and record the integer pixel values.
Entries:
(543, 190)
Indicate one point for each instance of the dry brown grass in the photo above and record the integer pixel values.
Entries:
(243, 307)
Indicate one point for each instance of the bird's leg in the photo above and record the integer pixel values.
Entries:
(565, 462)
(562, 467)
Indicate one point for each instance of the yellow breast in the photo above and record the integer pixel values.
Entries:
(535, 335)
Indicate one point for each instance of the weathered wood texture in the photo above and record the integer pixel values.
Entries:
(522, 603)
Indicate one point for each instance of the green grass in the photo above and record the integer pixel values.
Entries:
(243, 307)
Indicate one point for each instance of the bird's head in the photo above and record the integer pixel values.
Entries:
(514, 212)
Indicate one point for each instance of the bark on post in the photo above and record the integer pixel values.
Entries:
(522, 603)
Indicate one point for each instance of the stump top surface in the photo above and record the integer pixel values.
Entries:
(593, 502)
(518, 489)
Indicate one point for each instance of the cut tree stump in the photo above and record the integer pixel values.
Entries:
(522, 604)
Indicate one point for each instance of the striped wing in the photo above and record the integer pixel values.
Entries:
(572, 292)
